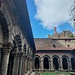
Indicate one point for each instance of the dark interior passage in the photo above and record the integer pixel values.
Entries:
(73, 63)
(37, 63)
(65, 63)
(55, 63)
(46, 63)
(10, 65)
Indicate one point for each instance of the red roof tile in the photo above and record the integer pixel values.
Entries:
(47, 44)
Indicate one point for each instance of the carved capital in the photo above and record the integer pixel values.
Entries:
(6, 48)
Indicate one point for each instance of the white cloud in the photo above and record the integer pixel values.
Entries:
(52, 13)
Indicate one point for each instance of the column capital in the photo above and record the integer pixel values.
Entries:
(60, 56)
(7, 48)
(41, 59)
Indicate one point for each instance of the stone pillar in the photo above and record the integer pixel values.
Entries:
(6, 53)
(52, 68)
(16, 64)
(41, 64)
(26, 65)
(30, 65)
(61, 65)
(49, 65)
(69, 65)
(33, 64)
(23, 65)
(20, 64)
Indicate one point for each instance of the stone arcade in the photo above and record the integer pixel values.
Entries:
(55, 54)
(16, 40)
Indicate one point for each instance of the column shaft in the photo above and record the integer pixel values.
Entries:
(15, 66)
(49, 65)
(52, 64)
(20, 66)
(5, 62)
(41, 64)
(61, 66)
(69, 65)
(25, 65)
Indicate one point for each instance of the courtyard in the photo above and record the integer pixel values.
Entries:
(54, 73)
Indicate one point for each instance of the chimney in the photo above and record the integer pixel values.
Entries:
(55, 30)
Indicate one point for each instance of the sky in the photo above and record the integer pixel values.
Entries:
(46, 14)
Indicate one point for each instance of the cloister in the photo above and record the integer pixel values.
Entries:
(20, 53)
(54, 63)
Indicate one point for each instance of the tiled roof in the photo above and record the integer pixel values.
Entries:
(47, 44)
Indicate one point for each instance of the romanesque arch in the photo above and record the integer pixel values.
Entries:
(46, 59)
(4, 37)
(17, 39)
(73, 63)
(4, 34)
(37, 62)
(56, 62)
(17, 48)
(65, 62)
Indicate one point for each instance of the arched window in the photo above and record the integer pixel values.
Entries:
(68, 45)
(37, 63)
(46, 63)
(55, 63)
(65, 63)
(73, 63)
(54, 46)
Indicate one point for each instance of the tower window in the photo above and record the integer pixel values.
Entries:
(68, 45)
(54, 46)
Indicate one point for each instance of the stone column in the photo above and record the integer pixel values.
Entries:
(33, 63)
(49, 65)
(16, 64)
(41, 64)
(30, 65)
(6, 53)
(23, 65)
(26, 65)
(69, 65)
(20, 64)
(61, 65)
(52, 64)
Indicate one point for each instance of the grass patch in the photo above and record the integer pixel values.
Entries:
(55, 73)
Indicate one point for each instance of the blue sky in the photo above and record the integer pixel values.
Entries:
(44, 16)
